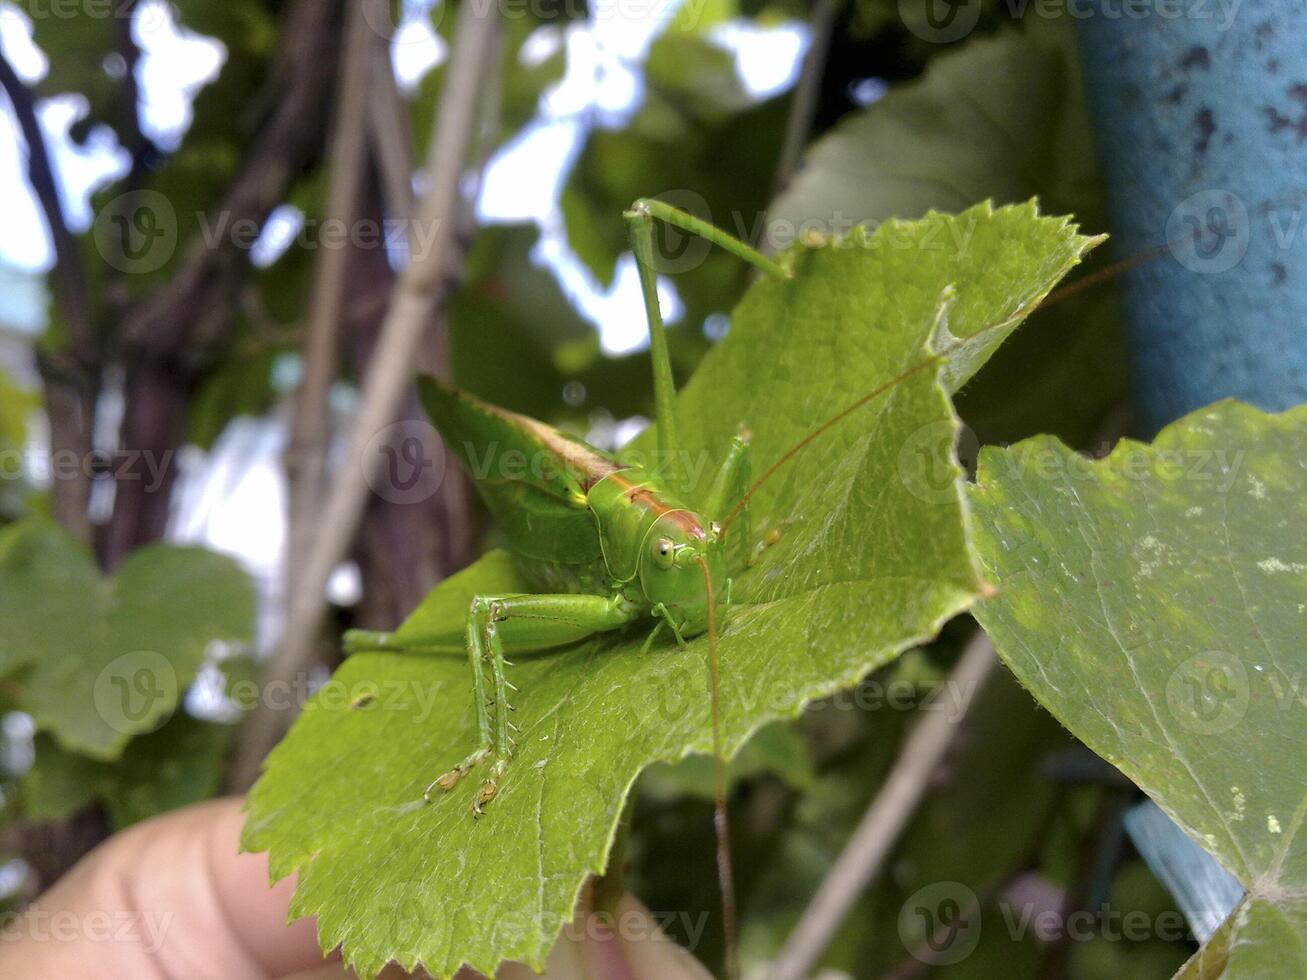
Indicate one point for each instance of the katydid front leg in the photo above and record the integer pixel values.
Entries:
(519, 624)
(730, 484)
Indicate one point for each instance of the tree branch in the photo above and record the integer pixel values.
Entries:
(420, 287)
(884, 820)
(803, 107)
(71, 375)
(311, 421)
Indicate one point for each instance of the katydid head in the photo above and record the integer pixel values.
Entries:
(677, 548)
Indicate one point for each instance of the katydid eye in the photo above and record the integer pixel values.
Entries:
(663, 549)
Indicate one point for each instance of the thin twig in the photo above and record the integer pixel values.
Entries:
(311, 422)
(392, 143)
(71, 379)
(803, 107)
(884, 820)
(419, 289)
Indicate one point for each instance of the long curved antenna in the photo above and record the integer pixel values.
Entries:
(725, 875)
(936, 358)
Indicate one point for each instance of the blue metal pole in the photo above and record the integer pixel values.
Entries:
(1200, 115)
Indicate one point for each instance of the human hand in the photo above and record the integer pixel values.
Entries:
(171, 897)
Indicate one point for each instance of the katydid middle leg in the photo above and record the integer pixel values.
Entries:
(502, 624)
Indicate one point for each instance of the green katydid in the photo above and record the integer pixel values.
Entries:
(610, 544)
(608, 540)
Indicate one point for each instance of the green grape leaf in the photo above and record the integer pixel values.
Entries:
(869, 554)
(999, 117)
(100, 660)
(166, 769)
(1155, 602)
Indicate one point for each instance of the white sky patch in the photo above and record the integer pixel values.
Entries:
(285, 222)
(24, 239)
(865, 91)
(415, 47)
(767, 58)
(599, 79)
(28, 61)
(541, 45)
(523, 180)
(175, 64)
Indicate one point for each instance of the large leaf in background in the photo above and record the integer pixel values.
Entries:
(870, 562)
(1156, 603)
(100, 660)
(1003, 118)
(508, 321)
(163, 770)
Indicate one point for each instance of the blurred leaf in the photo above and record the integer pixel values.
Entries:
(776, 749)
(1154, 601)
(161, 771)
(507, 321)
(15, 407)
(100, 660)
(391, 878)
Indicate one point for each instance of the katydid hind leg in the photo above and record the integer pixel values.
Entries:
(640, 218)
(510, 624)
